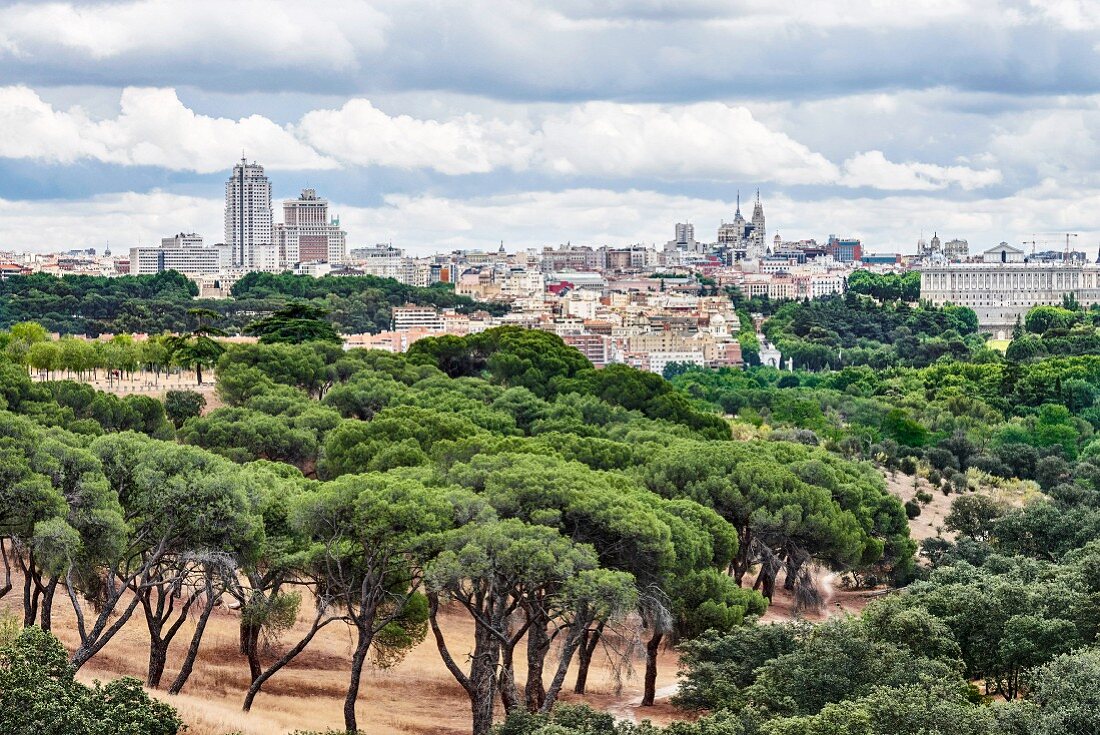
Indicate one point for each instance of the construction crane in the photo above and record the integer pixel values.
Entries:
(1068, 236)
(1065, 256)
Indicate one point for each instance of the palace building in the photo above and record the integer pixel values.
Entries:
(1004, 284)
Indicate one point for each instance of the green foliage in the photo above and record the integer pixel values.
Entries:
(38, 694)
(1066, 693)
(837, 331)
(886, 286)
(181, 405)
(294, 323)
(1040, 319)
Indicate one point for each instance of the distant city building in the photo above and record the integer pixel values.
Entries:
(1003, 285)
(745, 239)
(417, 317)
(182, 240)
(956, 250)
(844, 250)
(684, 240)
(183, 252)
(595, 347)
(306, 234)
(248, 216)
(880, 259)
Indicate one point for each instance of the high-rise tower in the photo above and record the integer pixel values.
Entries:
(248, 217)
(307, 235)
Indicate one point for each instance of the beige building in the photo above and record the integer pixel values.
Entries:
(1005, 285)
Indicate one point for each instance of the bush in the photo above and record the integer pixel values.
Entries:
(181, 405)
(912, 509)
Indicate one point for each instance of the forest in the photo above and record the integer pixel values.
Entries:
(500, 480)
(93, 305)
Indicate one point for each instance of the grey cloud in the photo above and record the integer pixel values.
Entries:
(652, 50)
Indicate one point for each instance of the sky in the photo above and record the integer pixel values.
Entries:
(441, 124)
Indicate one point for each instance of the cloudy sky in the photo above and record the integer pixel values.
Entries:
(439, 124)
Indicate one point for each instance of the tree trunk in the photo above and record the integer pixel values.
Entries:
(483, 681)
(509, 697)
(743, 561)
(193, 649)
(791, 573)
(576, 632)
(652, 646)
(47, 605)
(7, 586)
(587, 650)
(538, 646)
(357, 660)
(158, 657)
(285, 659)
(30, 590)
(250, 647)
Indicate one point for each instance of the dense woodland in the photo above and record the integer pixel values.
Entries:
(500, 477)
(92, 305)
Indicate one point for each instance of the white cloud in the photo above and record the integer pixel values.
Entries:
(873, 169)
(153, 128)
(427, 223)
(1052, 143)
(253, 33)
(361, 134)
(125, 220)
(709, 141)
(706, 141)
(1075, 15)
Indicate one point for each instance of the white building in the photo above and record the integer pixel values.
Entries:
(183, 252)
(384, 261)
(417, 317)
(1005, 285)
(248, 217)
(306, 234)
(656, 362)
(182, 240)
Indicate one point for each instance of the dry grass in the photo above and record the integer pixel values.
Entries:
(930, 522)
(418, 696)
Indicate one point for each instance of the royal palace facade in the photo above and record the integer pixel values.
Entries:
(1004, 285)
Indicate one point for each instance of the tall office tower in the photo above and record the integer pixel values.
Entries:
(685, 232)
(306, 234)
(684, 242)
(248, 218)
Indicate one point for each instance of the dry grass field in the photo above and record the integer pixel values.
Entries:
(417, 696)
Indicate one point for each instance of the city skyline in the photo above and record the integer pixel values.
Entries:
(595, 123)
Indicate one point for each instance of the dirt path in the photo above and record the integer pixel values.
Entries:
(629, 710)
(148, 384)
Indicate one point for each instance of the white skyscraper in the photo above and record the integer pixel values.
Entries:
(307, 235)
(248, 218)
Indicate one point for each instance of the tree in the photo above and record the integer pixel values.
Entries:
(38, 694)
(1005, 625)
(973, 515)
(197, 349)
(295, 323)
(364, 531)
(1040, 319)
(715, 667)
(491, 568)
(1065, 691)
(191, 520)
(181, 405)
